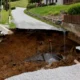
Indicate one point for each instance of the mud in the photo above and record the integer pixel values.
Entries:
(15, 48)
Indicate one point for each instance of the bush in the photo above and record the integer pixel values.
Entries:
(56, 13)
(31, 5)
(12, 8)
(74, 10)
(14, 0)
(43, 5)
(52, 4)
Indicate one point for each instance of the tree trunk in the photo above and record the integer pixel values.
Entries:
(46, 2)
(52, 1)
(49, 1)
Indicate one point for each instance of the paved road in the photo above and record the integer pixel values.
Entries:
(24, 21)
(61, 73)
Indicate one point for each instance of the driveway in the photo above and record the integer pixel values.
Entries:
(24, 21)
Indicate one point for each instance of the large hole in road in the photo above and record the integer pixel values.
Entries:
(31, 46)
(25, 44)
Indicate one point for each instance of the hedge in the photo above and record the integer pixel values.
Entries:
(74, 10)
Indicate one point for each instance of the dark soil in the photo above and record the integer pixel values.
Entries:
(16, 48)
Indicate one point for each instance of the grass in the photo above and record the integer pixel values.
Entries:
(19, 3)
(47, 10)
(12, 25)
(48, 22)
(50, 10)
(4, 17)
(5, 14)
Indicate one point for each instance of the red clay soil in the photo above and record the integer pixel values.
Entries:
(16, 48)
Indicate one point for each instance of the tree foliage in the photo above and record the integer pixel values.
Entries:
(14, 0)
(74, 10)
(6, 4)
(1, 2)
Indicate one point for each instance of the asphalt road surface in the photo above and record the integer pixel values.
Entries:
(24, 21)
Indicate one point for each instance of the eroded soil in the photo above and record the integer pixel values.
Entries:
(16, 48)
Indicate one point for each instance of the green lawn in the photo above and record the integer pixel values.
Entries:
(47, 10)
(12, 25)
(19, 3)
(4, 19)
(4, 16)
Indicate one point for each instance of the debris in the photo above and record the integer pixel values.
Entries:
(78, 47)
(76, 61)
(4, 30)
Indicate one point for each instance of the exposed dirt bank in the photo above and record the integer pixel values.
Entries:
(14, 49)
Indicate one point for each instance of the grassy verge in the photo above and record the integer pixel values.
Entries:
(46, 21)
(5, 14)
(49, 10)
(19, 3)
(4, 17)
(12, 25)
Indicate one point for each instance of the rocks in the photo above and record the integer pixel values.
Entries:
(54, 19)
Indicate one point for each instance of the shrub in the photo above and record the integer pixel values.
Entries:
(12, 8)
(56, 13)
(52, 4)
(43, 5)
(31, 5)
(74, 10)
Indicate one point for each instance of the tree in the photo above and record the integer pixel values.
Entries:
(52, 1)
(1, 2)
(46, 2)
(49, 1)
(6, 5)
(14, 0)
